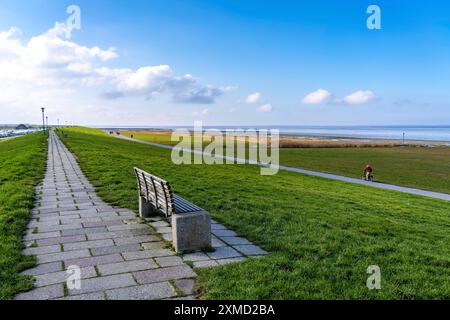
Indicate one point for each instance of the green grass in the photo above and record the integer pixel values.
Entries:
(22, 165)
(151, 137)
(321, 234)
(417, 167)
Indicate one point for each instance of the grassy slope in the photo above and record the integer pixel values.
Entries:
(417, 167)
(322, 235)
(157, 138)
(22, 164)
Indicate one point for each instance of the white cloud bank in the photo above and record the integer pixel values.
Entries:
(253, 98)
(322, 96)
(265, 108)
(360, 97)
(50, 61)
(318, 97)
(203, 112)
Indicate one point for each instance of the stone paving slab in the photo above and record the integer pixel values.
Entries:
(154, 291)
(104, 283)
(224, 252)
(187, 286)
(86, 296)
(44, 293)
(196, 256)
(137, 239)
(147, 254)
(42, 250)
(88, 244)
(83, 231)
(170, 273)
(61, 277)
(109, 235)
(119, 256)
(230, 260)
(169, 261)
(127, 266)
(132, 247)
(250, 250)
(44, 268)
(60, 240)
(61, 256)
(94, 261)
(205, 264)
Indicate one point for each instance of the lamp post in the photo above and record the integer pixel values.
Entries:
(43, 122)
(46, 122)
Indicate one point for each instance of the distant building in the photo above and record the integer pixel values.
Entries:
(21, 127)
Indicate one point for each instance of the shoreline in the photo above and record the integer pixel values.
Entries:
(323, 140)
(325, 137)
(414, 134)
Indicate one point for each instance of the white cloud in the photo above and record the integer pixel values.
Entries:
(360, 97)
(265, 108)
(319, 96)
(253, 98)
(51, 62)
(322, 96)
(202, 112)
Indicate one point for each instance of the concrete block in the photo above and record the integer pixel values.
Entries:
(191, 231)
(145, 208)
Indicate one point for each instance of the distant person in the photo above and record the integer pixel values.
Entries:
(368, 172)
(132, 136)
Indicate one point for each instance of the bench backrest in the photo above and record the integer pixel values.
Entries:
(156, 191)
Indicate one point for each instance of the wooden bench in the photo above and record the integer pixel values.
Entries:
(191, 225)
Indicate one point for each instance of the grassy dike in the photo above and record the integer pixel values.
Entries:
(417, 167)
(22, 165)
(322, 235)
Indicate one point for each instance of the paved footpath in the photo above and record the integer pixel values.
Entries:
(120, 255)
(430, 194)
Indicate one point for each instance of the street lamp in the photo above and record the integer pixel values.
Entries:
(46, 121)
(43, 122)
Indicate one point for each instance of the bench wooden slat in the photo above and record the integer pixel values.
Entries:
(161, 204)
(182, 205)
(159, 193)
(156, 191)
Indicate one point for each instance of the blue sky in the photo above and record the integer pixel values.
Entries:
(283, 50)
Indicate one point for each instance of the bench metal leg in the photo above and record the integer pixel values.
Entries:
(191, 231)
(145, 208)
